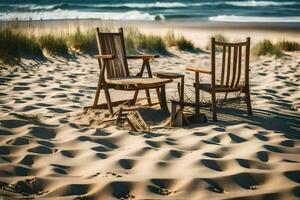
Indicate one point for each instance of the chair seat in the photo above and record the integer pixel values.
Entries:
(138, 82)
(168, 75)
(207, 88)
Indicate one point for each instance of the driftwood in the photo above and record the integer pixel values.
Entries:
(136, 122)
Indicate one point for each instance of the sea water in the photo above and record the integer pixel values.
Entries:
(178, 10)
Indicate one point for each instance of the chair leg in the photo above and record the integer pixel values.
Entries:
(158, 95)
(108, 99)
(163, 99)
(135, 97)
(97, 94)
(248, 102)
(213, 106)
(173, 113)
(148, 97)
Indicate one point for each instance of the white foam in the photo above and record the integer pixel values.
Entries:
(146, 5)
(259, 3)
(68, 14)
(234, 18)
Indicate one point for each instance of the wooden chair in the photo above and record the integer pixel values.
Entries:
(114, 72)
(230, 78)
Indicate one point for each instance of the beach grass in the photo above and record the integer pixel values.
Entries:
(266, 47)
(54, 45)
(82, 41)
(15, 44)
(181, 42)
(220, 38)
(286, 45)
(136, 41)
(184, 44)
(171, 39)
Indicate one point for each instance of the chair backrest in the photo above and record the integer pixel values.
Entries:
(234, 66)
(113, 44)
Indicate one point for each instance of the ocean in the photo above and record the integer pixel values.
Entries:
(178, 10)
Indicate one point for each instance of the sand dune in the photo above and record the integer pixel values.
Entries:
(51, 149)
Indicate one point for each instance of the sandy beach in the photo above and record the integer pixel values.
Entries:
(50, 148)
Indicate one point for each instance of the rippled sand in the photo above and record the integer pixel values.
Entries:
(51, 149)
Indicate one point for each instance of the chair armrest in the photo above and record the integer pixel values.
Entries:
(143, 56)
(198, 69)
(104, 56)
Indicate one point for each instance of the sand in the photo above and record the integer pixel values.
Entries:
(51, 149)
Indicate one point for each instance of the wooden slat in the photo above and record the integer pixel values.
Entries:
(198, 69)
(137, 81)
(103, 56)
(223, 65)
(235, 52)
(143, 56)
(247, 63)
(124, 51)
(112, 44)
(231, 44)
(228, 66)
(110, 47)
(239, 67)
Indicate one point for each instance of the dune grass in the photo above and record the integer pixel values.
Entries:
(286, 45)
(181, 42)
(8, 46)
(184, 44)
(83, 41)
(171, 39)
(14, 44)
(136, 41)
(266, 47)
(220, 38)
(54, 45)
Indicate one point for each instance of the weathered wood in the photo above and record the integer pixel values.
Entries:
(227, 44)
(139, 81)
(112, 60)
(143, 56)
(230, 80)
(223, 65)
(228, 66)
(198, 69)
(218, 88)
(213, 77)
(136, 122)
(197, 95)
(168, 75)
(181, 93)
(96, 99)
(163, 99)
(239, 67)
(146, 60)
(104, 56)
(247, 85)
(235, 53)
